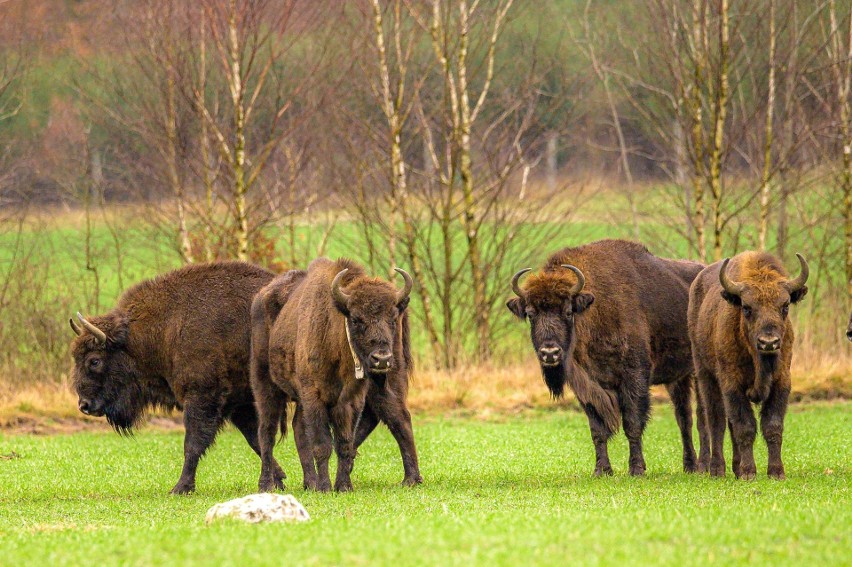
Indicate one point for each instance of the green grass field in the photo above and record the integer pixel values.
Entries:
(498, 491)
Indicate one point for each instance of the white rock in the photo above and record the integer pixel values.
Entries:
(256, 508)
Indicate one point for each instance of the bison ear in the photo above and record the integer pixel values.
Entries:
(401, 306)
(582, 301)
(732, 298)
(799, 295)
(119, 331)
(518, 307)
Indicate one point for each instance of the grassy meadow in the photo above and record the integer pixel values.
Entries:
(503, 490)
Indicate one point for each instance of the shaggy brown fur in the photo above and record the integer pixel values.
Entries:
(742, 346)
(386, 404)
(623, 332)
(309, 361)
(180, 340)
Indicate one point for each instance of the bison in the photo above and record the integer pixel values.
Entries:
(385, 404)
(180, 340)
(742, 345)
(330, 338)
(609, 319)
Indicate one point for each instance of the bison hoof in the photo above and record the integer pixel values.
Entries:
(603, 471)
(183, 488)
(746, 476)
(717, 470)
(412, 480)
(637, 470)
(777, 475)
(343, 486)
(270, 486)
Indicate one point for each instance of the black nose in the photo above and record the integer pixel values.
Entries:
(768, 343)
(84, 406)
(549, 354)
(381, 359)
(91, 407)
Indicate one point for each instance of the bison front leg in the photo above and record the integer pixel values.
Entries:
(743, 432)
(600, 437)
(390, 408)
(772, 427)
(680, 393)
(343, 419)
(703, 431)
(202, 419)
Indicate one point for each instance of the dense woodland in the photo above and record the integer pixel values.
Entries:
(460, 139)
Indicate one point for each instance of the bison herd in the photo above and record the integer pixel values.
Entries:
(232, 341)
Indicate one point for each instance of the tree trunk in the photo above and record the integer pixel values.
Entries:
(767, 148)
(720, 104)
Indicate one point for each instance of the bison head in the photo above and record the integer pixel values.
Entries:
(550, 301)
(763, 298)
(373, 309)
(105, 375)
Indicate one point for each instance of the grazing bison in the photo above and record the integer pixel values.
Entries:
(180, 340)
(328, 329)
(742, 344)
(609, 318)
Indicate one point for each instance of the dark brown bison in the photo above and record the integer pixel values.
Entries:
(180, 340)
(337, 334)
(609, 318)
(742, 344)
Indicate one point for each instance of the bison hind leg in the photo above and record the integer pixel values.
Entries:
(680, 393)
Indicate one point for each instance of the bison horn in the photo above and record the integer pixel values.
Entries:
(728, 285)
(99, 335)
(340, 297)
(515, 287)
(800, 281)
(409, 283)
(75, 327)
(581, 279)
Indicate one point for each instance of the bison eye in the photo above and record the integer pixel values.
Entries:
(747, 311)
(95, 363)
(785, 309)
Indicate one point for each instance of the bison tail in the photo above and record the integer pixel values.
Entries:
(283, 423)
(591, 393)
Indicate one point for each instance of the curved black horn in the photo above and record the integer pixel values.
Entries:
(75, 327)
(800, 281)
(409, 283)
(339, 296)
(99, 335)
(515, 287)
(581, 279)
(729, 286)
